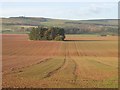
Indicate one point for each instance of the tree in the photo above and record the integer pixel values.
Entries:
(32, 34)
(45, 33)
(59, 38)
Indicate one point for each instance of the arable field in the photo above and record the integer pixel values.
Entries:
(77, 62)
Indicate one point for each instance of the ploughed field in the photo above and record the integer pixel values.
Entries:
(77, 62)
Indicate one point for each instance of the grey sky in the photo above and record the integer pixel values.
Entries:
(62, 10)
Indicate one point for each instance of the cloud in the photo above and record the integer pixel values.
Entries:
(62, 10)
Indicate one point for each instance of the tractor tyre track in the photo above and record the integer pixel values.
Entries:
(20, 69)
(75, 65)
(59, 68)
(56, 70)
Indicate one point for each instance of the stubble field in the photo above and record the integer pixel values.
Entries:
(77, 62)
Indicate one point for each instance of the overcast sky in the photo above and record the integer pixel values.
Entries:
(61, 10)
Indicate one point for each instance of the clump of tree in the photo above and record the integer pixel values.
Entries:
(47, 33)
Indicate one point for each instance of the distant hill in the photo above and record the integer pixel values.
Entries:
(24, 25)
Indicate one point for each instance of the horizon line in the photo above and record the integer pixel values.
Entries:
(54, 18)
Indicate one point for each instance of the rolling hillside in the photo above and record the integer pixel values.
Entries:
(24, 25)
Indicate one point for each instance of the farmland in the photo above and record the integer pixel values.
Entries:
(78, 62)
(23, 25)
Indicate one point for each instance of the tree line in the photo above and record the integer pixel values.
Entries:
(90, 29)
(47, 33)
